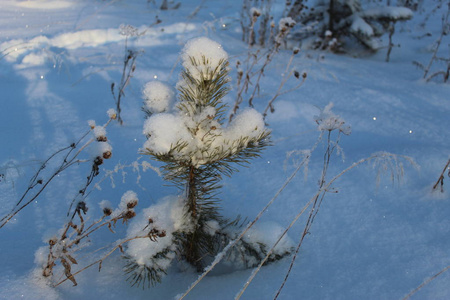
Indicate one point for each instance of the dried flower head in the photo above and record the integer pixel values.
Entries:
(132, 203)
(107, 211)
(128, 30)
(107, 154)
(98, 161)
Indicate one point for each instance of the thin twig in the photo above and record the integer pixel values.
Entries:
(426, 282)
(441, 178)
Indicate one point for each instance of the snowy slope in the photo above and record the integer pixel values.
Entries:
(369, 240)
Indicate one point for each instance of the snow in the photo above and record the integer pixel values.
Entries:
(368, 241)
(165, 131)
(102, 149)
(267, 233)
(129, 200)
(394, 13)
(360, 26)
(99, 132)
(158, 96)
(166, 215)
(247, 123)
(200, 55)
(112, 113)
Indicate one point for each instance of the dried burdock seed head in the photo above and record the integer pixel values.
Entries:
(130, 214)
(296, 74)
(304, 75)
(296, 50)
(107, 154)
(107, 211)
(81, 206)
(162, 233)
(39, 181)
(102, 139)
(98, 161)
(52, 242)
(255, 12)
(150, 220)
(132, 203)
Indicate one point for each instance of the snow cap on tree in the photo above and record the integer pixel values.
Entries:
(201, 55)
(164, 131)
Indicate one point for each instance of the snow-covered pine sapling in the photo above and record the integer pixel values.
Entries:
(197, 149)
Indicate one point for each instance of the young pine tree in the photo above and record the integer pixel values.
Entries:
(197, 150)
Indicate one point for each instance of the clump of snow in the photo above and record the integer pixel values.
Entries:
(165, 131)
(167, 215)
(158, 96)
(286, 23)
(129, 200)
(100, 133)
(102, 149)
(328, 121)
(105, 204)
(91, 124)
(360, 26)
(260, 238)
(112, 113)
(201, 55)
(212, 227)
(267, 233)
(247, 123)
(34, 59)
(389, 12)
(41, 256)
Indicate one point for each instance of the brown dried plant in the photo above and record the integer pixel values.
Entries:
(76, 234)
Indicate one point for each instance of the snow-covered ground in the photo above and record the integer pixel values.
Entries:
(373, 239)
